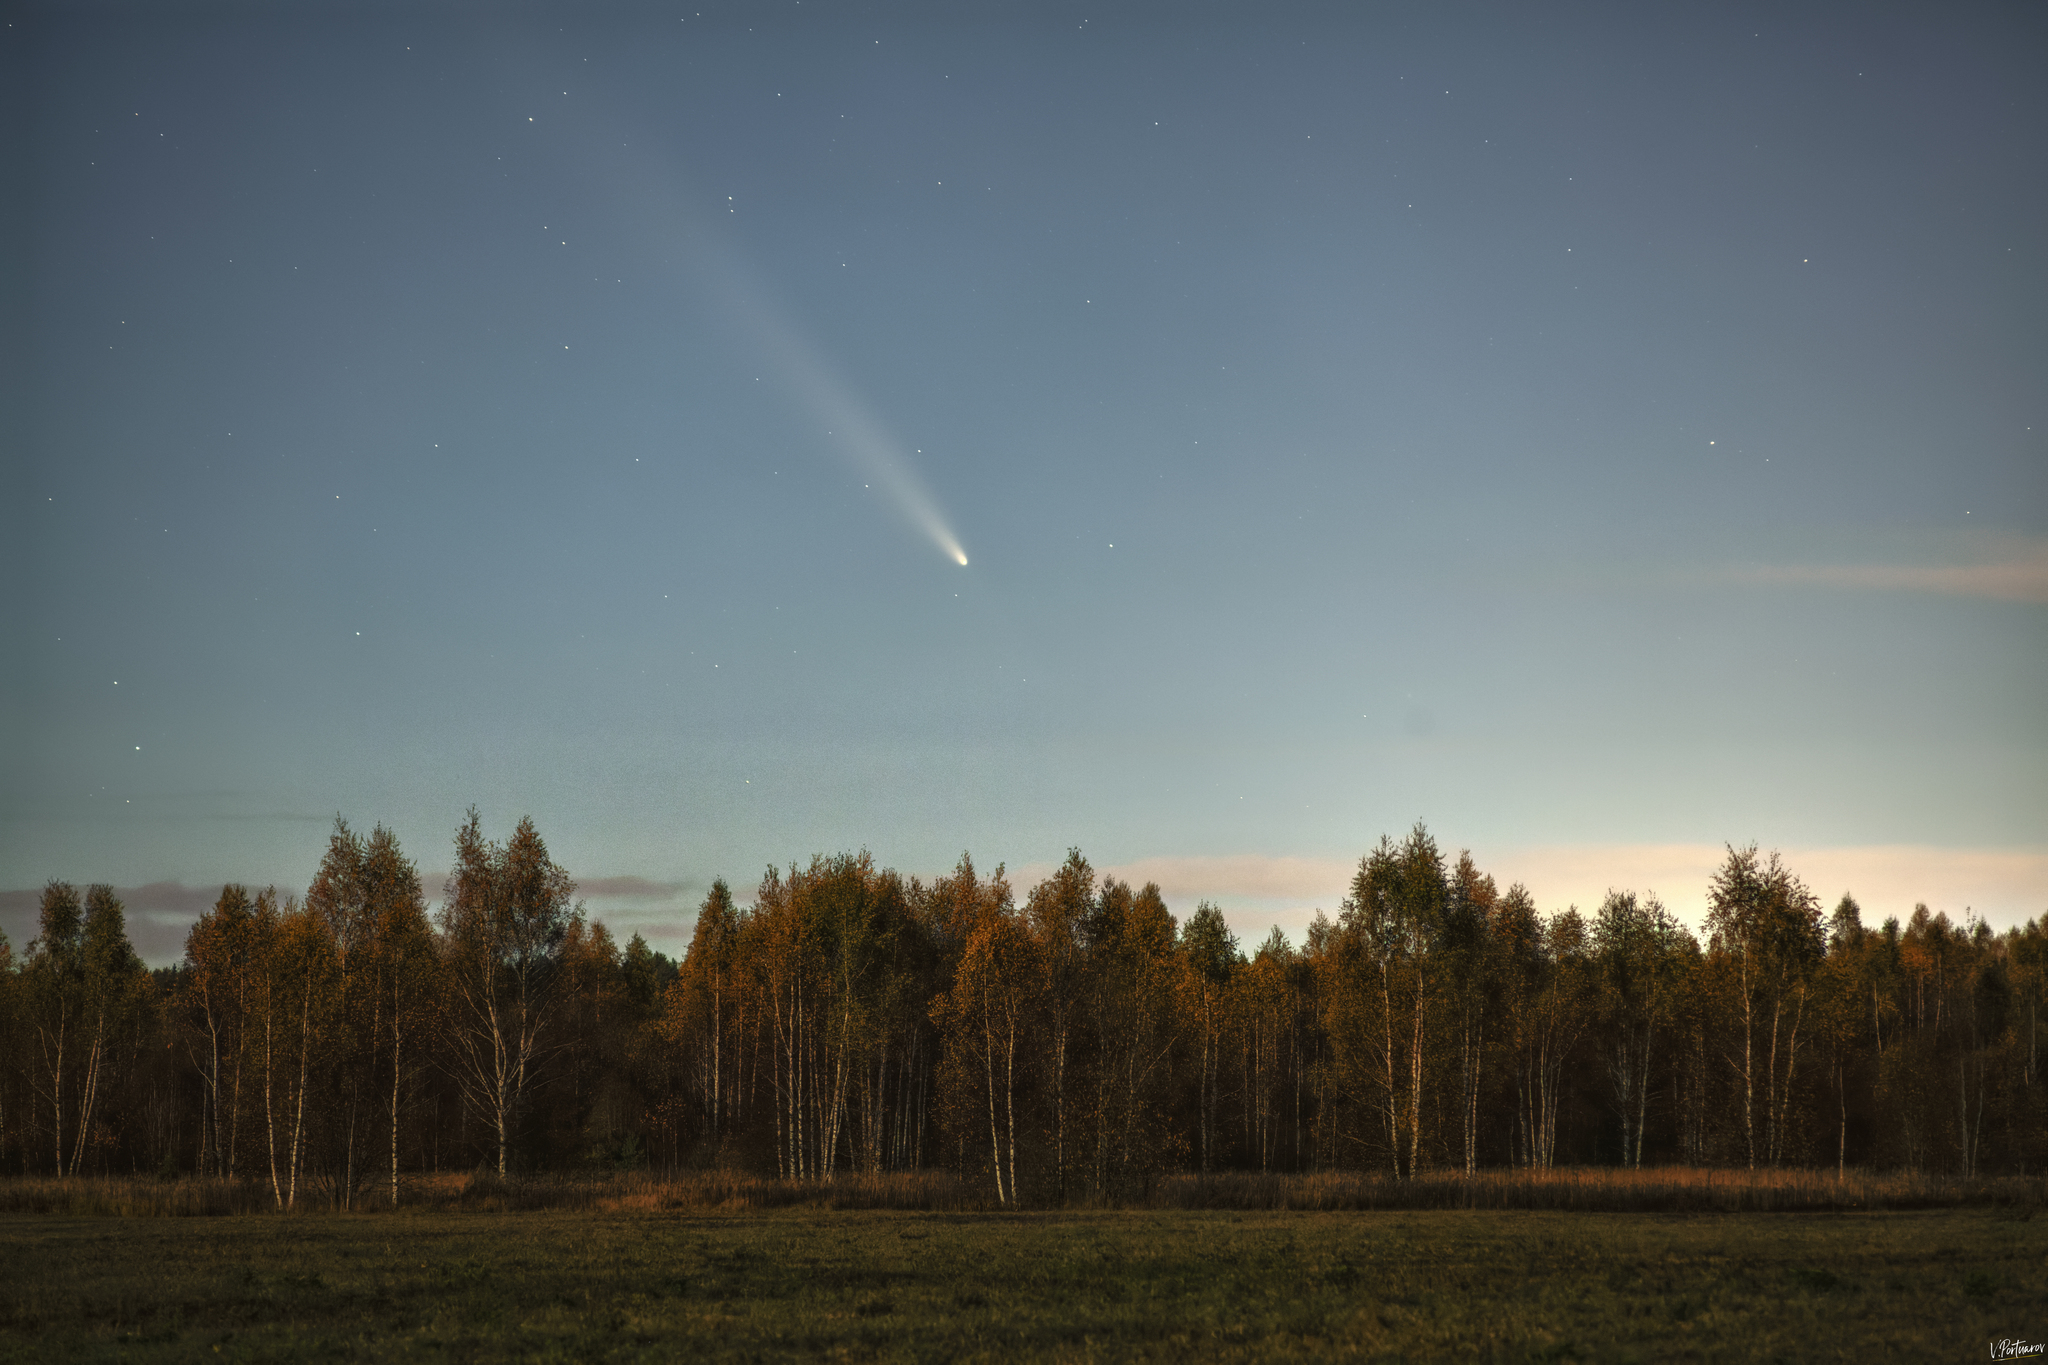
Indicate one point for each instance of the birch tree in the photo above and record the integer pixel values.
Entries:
(505, 914)
(406, 971)
(1210, 951)
(1132, 968)
(54, 991)
(1471, 969)
(1262, 1007)
(304, 983)
(1766, 926)
(710, 976)
(1634, 943)
(220, 980)
(339, 899)
(1056, 910)
(986, 1019)
(11, 1046)
(1395, 913)
(85, 988)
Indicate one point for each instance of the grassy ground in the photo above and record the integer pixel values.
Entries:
(1147, 1284)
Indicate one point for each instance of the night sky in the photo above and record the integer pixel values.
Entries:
(1598, 432)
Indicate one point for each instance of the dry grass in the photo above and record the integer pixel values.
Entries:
(1668, 1189)
(132, 1197)
(693, 1191)
(485, 1192)
(1587, 1190)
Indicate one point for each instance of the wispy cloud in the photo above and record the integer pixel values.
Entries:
(634, 889)
(2002, 569)
(159, 916)
(1245, 874)
(661, 912)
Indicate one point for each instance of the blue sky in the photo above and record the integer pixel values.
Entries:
(1600, 433)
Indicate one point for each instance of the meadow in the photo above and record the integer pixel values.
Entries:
(752, 1281)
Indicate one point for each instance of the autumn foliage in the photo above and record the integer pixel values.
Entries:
(1439, 1042)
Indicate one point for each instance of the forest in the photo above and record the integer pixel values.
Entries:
(1073, 1049)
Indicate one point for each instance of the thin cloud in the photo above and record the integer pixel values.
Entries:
(2014, 572)
(1247, 874)
(632, 888)
(159, 915)
(598, 888)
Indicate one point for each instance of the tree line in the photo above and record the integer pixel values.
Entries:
(1072, 1048)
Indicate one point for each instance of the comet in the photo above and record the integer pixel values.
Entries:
(677, 219)
(857, 435)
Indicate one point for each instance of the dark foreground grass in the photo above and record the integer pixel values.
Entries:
(1142, 1284)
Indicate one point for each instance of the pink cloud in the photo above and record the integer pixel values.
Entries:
(2013, 571)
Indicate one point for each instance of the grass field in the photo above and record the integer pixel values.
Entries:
(1143, 1284)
